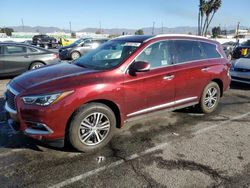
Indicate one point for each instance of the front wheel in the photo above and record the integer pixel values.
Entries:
(36, 65)
(75, 55)
(210, 98)
(91, 127)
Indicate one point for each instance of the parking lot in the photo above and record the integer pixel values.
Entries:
(171, 149)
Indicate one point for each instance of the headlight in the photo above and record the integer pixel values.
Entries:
(45, 100)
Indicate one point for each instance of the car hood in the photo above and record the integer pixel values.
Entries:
(243, 63)
(67, 47)
(50, 75)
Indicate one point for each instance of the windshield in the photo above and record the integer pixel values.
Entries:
(108, 55)
(78, 42)
(246, 43)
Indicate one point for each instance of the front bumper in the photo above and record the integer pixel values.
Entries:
(33, 128)
(64, 55)
(243, 77)
(33, 133)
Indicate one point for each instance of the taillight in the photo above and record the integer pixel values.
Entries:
(55, 56)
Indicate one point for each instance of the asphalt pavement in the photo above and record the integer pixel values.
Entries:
(170, 149)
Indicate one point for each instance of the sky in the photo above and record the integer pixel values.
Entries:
(131, 14)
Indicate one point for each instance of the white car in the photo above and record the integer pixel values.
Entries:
(240, 70)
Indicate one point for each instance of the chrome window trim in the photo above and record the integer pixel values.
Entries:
(162, 106)
(191, 39)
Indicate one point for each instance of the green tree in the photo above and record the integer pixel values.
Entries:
(7, 31)
(207, 10)
(216, 31)
(139, 32)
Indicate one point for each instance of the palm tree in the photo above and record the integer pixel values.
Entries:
(207, 10)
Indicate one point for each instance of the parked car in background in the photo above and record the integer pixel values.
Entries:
(65, 42)
(242, 50)
(228, 48)
(16, 58)
(79, 48)
(27, 42)
(85, 101)
(45, 41)
(240, 70)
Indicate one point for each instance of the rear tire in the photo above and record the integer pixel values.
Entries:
(92, 127)
(210, 98)
(36, 65)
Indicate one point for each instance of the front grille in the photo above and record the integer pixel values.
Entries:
(10, 98)
(241, 70)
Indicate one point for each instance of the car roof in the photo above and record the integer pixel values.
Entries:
(134, 38)
(23, 44)
(145, 38)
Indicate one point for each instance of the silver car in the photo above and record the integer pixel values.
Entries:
(240, 70)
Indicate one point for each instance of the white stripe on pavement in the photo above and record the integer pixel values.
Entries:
(135, 156)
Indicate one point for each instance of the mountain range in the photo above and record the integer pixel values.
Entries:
(114, 31)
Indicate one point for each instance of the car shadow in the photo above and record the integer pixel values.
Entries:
(240, 86)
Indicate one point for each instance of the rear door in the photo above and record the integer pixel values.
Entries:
(190, 70)
(15, 59)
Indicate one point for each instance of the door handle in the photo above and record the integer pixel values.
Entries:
(26, 56)
(169, 77)
(205, 69)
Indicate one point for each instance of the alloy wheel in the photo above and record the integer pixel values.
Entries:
(211, 97)
(94, 129)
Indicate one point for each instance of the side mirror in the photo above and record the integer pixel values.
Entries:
(139, 66)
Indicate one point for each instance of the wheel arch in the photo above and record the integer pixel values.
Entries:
(113, 106)
(220, 84)
(36, 61)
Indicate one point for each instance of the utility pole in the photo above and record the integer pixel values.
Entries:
(237, 33)
(153, 29)
(162, 28)
(70, 27)
(100, 27)
(237, 30)
(22, 25)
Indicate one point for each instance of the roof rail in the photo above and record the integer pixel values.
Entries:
(175, 35)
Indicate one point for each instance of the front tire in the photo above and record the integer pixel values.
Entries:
(91, 127)
(36, 65)
(75, 55)
(210, 98)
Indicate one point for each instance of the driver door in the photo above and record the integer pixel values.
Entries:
(153, 90)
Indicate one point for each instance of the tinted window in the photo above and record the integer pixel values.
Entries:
(15, 49)
(186, 50)
(157, 55)
(210, 50)
(246, 43)
(1, 50)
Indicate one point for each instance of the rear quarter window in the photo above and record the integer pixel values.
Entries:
(187, 50)
(210, 50)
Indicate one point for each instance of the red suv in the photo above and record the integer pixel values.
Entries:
(126, 77)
